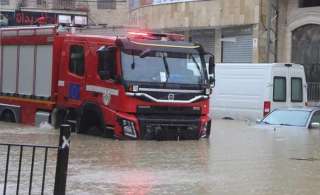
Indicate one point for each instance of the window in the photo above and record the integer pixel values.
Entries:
(316, 117)
(107, 63)
(4, 2)
(309, 3)
(288, 117)
(296, 90)
(279, 89)
(106, 4)
(76, 64)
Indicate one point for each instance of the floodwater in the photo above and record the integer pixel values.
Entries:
(237, 159)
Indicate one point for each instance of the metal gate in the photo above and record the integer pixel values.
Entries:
(237, 45)
(205, 37)
(11, 185)
(306, 51)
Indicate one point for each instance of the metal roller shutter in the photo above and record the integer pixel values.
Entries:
(205, 38)
(237, 48)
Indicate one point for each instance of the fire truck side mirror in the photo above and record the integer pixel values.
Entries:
(211, 65)
(107, 62)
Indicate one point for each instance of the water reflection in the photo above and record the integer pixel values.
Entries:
(237, 159)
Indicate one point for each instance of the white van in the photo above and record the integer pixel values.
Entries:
(250, 91)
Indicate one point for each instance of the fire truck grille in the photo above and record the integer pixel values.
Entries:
(171, 128)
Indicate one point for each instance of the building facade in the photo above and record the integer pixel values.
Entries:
(251, 31)
(227, 28)
(97, 12)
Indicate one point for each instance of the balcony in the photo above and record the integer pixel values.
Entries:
(72, 5)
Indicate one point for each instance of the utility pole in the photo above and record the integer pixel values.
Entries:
(272, 34)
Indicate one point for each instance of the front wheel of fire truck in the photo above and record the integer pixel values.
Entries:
(8, 116)
(91, 121)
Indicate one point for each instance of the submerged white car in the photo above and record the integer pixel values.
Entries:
(306, 117)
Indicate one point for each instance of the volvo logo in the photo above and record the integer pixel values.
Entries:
(171, 96)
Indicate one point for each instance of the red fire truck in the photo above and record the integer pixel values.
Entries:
(139, 86)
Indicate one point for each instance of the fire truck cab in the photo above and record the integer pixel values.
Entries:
(141, 86)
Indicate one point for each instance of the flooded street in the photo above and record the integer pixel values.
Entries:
(237, 159)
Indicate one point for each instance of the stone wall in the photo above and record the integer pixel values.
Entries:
(197, 14)
(11, 7)
(294, 18)
(110, 17)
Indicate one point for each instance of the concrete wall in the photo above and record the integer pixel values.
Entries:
(211, 14)
(197, 14)
(12, 6)
(110, 17)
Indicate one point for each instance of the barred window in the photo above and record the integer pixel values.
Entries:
(106, 4)
(4, 2)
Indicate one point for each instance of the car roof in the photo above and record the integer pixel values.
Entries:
(308, 109)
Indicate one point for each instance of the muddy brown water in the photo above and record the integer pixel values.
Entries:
(237, 159)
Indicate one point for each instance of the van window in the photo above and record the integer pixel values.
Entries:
(76, 63)
(279, 89)
(296, 90)
(316, 117)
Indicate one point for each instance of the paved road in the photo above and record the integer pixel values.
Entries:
(237, 159)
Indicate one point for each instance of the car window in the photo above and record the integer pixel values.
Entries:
(296, 90)
(288, 117)
(316, 117)
(76, 64)
(279, 89)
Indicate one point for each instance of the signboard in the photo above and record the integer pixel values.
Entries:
(29, 18)
(64, 19)
(80, 20)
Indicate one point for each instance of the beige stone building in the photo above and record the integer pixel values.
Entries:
(241, 30)
(220, 22)
(234, 30)
(98, 12)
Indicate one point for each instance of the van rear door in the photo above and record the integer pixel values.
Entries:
(298, 86)
(280, 85)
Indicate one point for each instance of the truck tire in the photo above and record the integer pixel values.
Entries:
(8, 116)
(91, 121)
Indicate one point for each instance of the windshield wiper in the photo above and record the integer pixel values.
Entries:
(265, 122)
(285, 124)
(166, 66)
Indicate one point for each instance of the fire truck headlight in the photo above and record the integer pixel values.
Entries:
(205, 131)
(208, 91)
(128, 128)
(134, 88)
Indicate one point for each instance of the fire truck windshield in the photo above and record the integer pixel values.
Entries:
(161, 67)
